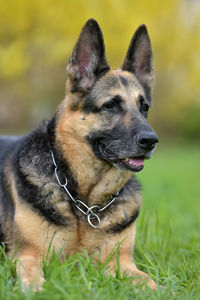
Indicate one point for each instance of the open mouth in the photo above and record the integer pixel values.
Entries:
(135, 164)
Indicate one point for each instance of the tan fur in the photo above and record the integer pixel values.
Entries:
(127, 264)
(76, 150)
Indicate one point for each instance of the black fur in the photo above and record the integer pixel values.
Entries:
(8, 146)
(124, 80)
(33, 152)
(118, 227)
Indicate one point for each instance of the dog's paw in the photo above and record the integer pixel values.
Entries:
(151, 284)
(143, 281)
(33, 285)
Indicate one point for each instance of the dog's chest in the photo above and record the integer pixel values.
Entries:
(75, 234)
(79, 234)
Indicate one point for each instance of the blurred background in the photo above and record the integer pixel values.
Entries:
(37, 37)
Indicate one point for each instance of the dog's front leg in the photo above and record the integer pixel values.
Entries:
(29, 270)
(128, 267)
(125, 240)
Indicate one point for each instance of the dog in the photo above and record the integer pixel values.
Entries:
(70, 182)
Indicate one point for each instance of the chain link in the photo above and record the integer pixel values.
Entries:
(91, 213)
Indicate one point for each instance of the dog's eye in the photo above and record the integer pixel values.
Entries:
(109, 105)
(114, 105)
(143, 106)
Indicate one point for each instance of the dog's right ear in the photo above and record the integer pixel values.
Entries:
(88, 58)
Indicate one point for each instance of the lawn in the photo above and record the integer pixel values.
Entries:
(167, 243)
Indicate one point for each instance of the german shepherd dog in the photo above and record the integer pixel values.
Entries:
(70, 181)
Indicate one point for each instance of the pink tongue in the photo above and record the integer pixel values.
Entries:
(138, 162)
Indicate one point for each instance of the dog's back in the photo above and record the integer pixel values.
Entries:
(8, 145)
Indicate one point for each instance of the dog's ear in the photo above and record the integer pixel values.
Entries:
(88, 58)
(139, 57)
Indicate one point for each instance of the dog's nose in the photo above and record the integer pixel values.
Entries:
(147, 140)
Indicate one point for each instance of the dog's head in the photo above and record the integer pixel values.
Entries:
(108, 109)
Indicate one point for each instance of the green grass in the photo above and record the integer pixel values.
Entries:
(167, 243)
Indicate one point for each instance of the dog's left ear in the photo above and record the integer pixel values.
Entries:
(88, 58)
(139, 57)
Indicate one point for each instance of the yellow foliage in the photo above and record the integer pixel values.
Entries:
(37, 37)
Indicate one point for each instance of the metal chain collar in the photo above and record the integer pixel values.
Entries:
(91, 213)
